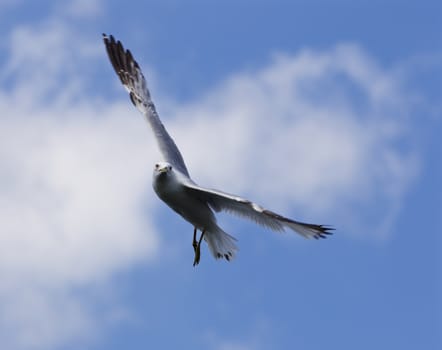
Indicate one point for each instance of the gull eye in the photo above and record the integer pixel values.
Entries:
(157, 166)
(170, 167)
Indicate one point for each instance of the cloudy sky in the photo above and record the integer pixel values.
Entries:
(325, 111)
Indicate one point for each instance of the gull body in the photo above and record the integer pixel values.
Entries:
(172, 182)
(168, 185)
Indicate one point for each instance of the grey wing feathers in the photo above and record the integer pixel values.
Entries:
(218, 201)
(133, 80)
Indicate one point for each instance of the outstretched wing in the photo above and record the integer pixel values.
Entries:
(133, 80)
(218, 201)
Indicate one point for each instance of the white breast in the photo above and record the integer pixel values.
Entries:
(172, 191)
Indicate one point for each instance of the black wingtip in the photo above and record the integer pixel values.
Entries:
(109, 40)
(117, 56)
(325, 231)
(106, 38)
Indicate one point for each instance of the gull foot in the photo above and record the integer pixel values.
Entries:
(197, 248)
(196, 260)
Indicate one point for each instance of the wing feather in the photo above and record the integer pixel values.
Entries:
(133, 80)
(221, 201)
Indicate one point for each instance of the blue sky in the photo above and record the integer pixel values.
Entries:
(326, 111)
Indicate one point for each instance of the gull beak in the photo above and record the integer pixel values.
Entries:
(162, 170)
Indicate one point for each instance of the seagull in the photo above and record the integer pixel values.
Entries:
(172, 182)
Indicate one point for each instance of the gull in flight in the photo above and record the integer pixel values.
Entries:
(172, 182)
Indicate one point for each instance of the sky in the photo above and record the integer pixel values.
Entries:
(327, 112)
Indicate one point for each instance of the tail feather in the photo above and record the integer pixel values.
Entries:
(221, 244)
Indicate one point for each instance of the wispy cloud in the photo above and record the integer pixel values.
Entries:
(73, 186)
(84, 8)
(258, 336)
(5, 4)
(316, 133)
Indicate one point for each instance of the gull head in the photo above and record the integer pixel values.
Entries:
(162, 168)
(163, 179)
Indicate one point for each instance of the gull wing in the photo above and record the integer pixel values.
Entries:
(133, 80)
(220, 201)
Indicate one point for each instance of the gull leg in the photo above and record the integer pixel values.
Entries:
(194, 242)
(197, 249)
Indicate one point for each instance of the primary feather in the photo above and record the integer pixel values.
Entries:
(133, 80)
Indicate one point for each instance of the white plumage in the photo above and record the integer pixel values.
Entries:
(172, 183)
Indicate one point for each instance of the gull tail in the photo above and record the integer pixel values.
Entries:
(221, 244)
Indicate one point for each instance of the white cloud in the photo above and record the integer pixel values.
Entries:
(259, 335)
(33, 318)
(320, 133)
(5, 4)
(84, 8)
(316, 133)
(74, 186)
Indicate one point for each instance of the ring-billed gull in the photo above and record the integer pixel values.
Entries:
(172, 182)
